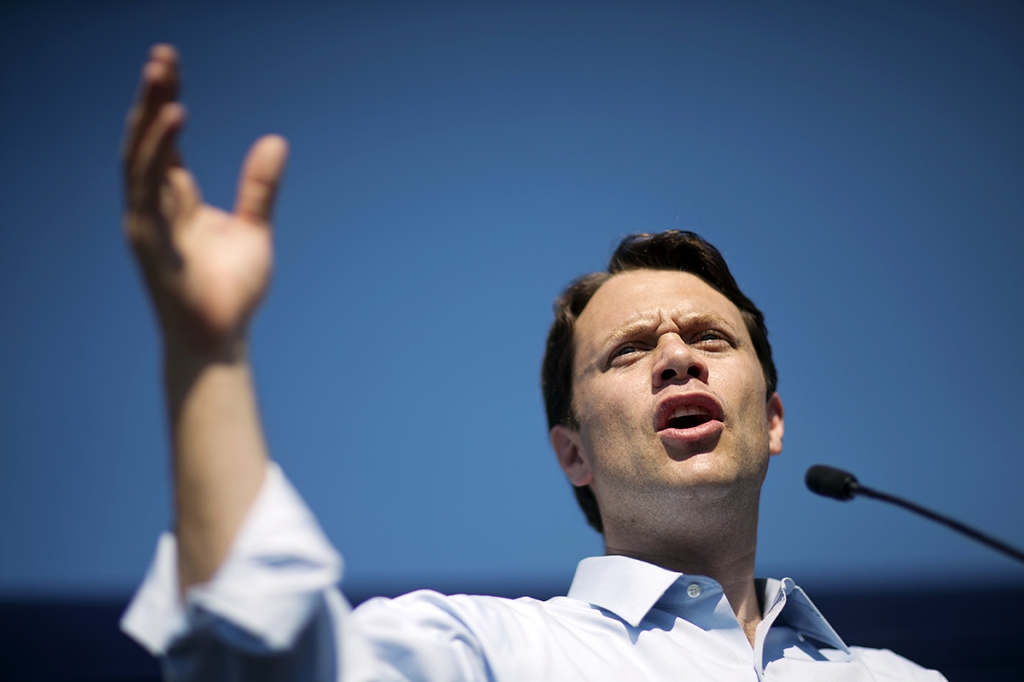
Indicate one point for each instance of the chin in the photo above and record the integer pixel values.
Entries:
(706, 476)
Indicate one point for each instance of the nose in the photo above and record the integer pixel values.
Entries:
(676, 362)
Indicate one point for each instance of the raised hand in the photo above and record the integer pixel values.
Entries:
(206, 269)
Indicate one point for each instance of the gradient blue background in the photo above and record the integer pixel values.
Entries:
(453, 166)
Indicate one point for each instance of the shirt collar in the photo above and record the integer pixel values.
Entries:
(627, 587)
(795, 609)
(630, 588)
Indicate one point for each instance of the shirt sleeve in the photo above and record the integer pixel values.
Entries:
(273, 612)
(269, 611)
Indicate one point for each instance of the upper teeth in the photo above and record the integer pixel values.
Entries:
(689, 411)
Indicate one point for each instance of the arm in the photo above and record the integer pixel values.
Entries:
(246, 588)
(206, 271)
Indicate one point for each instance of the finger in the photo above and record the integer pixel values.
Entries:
(158, 85)
(156, 152)
(185, 191)
(156, 89)
(261, 175)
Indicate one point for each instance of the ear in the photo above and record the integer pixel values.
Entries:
(569, 451)
(776, 424)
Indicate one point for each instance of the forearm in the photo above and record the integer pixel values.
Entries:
(219, 455)
(273, 586)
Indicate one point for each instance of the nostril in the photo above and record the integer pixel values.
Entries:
(694, 372)
(668, 374)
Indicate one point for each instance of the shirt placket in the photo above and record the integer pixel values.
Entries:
(762, 631)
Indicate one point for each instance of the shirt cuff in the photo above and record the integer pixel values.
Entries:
(268, 586)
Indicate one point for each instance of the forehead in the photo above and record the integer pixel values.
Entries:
(639, 297)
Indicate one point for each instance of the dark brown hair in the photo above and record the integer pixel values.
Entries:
(671, 250)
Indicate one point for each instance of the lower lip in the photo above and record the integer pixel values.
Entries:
(694, 433)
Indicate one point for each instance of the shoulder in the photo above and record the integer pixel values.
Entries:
(486, 624)
(511, 638)
(467, 609)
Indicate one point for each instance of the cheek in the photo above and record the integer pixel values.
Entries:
(610, 401)
(753, 415)
(744, 393)
(610, 411)
(741, 381)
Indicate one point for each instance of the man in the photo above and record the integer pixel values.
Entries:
(660, 390)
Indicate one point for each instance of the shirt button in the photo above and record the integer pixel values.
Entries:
(693, 590)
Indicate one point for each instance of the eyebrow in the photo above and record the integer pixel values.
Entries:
(647, 326)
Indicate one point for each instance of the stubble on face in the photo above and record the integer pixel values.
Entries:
(650, 339)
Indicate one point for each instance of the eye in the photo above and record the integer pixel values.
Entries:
(712, 339)
(626, 353)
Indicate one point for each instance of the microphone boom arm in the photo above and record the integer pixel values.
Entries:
(842, 485)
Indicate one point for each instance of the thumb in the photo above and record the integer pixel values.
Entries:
(261, 175)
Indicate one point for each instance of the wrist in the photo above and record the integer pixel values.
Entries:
(182, 352)
(185, 365)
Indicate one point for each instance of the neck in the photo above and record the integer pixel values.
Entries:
(723, 551)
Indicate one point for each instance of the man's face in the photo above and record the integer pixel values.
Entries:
(669, 397)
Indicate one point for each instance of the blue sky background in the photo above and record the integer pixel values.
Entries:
(454, 165)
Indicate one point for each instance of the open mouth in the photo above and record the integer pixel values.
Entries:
(688, 421)
(687, 412)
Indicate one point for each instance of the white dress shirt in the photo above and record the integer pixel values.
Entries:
(272, 612)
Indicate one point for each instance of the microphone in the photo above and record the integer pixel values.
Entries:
(842, 485)
(832, 482)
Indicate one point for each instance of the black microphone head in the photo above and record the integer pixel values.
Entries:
(831, 482)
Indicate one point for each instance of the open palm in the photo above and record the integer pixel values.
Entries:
(207, 269)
